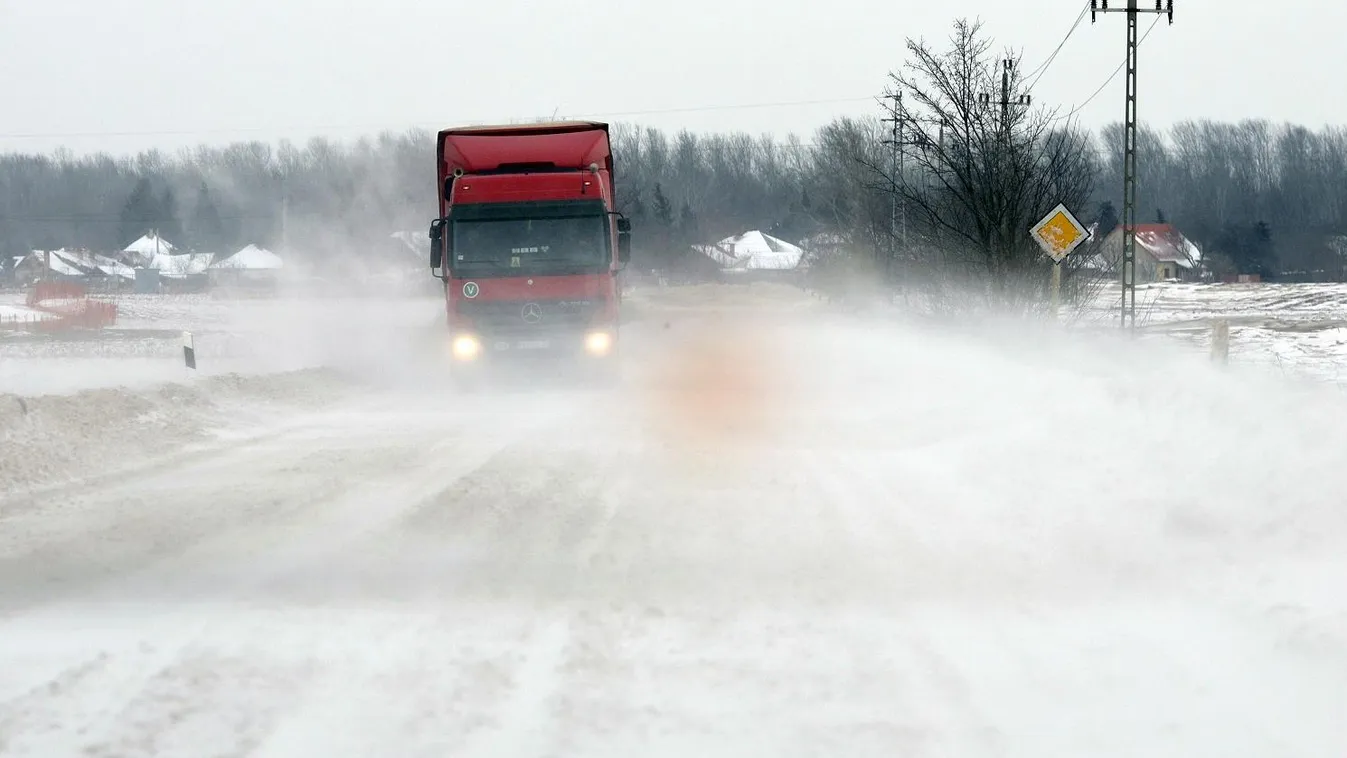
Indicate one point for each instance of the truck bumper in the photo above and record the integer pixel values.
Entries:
(592, 353)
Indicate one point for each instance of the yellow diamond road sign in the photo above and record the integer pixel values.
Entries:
(1059, 233)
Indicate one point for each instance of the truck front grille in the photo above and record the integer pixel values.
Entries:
(529, 315)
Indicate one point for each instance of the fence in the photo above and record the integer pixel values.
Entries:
(24, 321)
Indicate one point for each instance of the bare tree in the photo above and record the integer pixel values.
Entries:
(982, 166)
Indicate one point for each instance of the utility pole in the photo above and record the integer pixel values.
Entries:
(1129, 216)
(1023, 101)
(285, 213)
(897, 165)
(892, 142)
(1005, 157)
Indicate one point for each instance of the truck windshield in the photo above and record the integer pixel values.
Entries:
(536, 239)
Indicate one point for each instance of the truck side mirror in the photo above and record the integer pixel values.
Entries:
(623, 240)
(436, 246)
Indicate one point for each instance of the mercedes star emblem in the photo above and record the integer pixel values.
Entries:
(533, 313)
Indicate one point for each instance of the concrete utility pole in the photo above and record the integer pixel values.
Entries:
(285, 213)
(898, 143)
(892, 142)
(1129, 217)
(1023, 101)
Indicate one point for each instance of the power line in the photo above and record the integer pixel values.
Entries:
(1110, 79)
(748, 106)
(1042, 69)
(426, 124)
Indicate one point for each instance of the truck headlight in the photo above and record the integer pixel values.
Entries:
(598, 343)
(466, 347)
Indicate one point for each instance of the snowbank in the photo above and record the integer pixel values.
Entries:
(53, 438)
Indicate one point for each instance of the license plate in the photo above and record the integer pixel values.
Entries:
(533, 344)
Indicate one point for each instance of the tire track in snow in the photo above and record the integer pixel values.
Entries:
(311, 534)
(531, 526)
(526, 723)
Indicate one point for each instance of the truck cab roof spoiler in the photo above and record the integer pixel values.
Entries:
(548, 127)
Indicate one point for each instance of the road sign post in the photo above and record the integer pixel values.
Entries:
(1058, 233)
(1056, 287)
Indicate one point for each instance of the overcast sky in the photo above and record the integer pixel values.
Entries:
(169, 73)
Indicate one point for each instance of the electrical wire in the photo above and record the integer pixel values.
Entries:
(1110, 79)
(1042, 69)
(371, 127)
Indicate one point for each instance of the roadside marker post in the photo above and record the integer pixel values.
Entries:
(189, 350)
(1058, 233)
(1220, 341)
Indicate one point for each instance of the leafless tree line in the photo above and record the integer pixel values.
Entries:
(1217, 180)
(312, 195)
(980, 164)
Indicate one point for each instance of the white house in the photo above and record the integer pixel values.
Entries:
(252, 266)
(753, 251)
(147, 248)
(1162, 253)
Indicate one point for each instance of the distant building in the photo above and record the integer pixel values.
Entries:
(144, 250)
(252, 268)
(91, 269)
(47, 265)
(753, 252)
(1162, 254)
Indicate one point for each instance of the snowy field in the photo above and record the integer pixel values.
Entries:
(1298, 330)
(788, 532)
(144, 349)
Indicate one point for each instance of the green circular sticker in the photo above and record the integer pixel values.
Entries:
(470, 290)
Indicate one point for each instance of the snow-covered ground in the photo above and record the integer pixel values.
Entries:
(13, 313)
(144, 349)
(1299, 330)
(786, 533)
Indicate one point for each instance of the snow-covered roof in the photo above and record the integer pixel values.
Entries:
(251, 258)
(113, 267)
(753, 251)
(89, 263)
(61, 262)
(147, 246)
(716, 254)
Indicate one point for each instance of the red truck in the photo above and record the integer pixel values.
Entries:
(529, 244)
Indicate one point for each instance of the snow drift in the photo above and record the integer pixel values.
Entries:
(63, 437)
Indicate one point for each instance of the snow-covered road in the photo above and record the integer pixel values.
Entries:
(800, 537)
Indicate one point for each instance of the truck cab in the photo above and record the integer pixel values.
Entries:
(529, 245)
